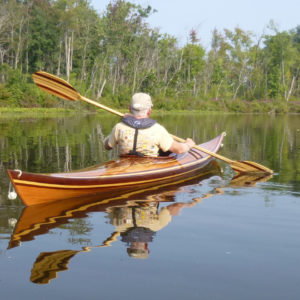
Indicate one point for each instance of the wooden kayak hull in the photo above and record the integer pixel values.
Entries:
(122, 175)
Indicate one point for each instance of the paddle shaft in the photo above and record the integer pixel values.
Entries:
(102, 106)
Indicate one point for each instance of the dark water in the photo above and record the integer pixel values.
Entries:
(208, 239)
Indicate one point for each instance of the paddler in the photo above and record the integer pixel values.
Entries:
(137, 134)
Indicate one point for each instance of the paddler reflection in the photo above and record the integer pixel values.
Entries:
(135, 225)
(138, 225)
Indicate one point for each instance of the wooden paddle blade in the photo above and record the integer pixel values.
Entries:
(249, 167)
(55, 86)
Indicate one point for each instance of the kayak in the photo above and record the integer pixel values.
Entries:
(128, 173)
(116, 176)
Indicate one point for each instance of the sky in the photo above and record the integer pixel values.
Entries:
(178, 17)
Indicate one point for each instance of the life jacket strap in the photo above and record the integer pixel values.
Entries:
(133, 151)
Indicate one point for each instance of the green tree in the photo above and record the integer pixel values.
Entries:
(193, 64)
(239, 44)
(280, 56)
(44, 36)
(215, 75)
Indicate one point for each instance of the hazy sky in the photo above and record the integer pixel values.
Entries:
(178, 17)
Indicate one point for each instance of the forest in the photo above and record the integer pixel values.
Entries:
(110, 55)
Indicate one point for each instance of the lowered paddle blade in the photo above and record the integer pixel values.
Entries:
(55, 86)
(237, 166)
(249, 167)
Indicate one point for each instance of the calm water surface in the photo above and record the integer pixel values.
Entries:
(211, 238)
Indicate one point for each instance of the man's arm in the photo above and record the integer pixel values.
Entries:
(179, 148)
(111, 141)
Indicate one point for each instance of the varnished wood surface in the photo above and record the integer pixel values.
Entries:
(119, 175)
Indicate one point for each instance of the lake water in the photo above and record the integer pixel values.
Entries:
(220, 240)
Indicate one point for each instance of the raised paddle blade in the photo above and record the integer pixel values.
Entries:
(55, 86)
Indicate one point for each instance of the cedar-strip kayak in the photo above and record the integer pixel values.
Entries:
(117, 176)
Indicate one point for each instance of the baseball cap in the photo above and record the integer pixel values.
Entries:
(138, 253)
(141, 101)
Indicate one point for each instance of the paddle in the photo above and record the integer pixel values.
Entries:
(63, 89)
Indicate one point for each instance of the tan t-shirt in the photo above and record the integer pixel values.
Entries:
(149, 140)
(149, 217)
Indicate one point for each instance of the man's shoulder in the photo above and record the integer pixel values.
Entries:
(159, 127)
(120, 125)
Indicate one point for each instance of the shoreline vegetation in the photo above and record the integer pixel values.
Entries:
(110, 56)
(227, 107)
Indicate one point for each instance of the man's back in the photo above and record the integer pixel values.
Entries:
(149, 140)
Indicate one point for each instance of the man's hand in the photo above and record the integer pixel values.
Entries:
(190, 142)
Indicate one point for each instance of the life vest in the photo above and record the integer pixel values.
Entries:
(137, 124)
(137, 233)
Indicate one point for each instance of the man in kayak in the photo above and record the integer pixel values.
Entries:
(137, 134)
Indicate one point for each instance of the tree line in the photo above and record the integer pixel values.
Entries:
(116, 53)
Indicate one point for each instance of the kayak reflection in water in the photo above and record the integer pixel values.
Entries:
(136, 225)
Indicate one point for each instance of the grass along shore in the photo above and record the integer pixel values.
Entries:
(212, 106)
